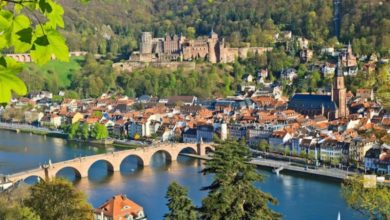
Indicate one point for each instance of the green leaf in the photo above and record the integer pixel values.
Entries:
(5, 23)
(58, 45)
(9, 82)
(44, 6)
(41, 51)
(21, 34)
(55, 16)
(49, 45)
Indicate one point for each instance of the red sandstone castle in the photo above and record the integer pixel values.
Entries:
(179, 48)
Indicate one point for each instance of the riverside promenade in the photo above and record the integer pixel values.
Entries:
(27, 128)
(283, 166)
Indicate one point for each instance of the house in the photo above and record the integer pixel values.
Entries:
(263, 73)
(205, 133)
(144, 125)
(306, 55)
(32, 116)
(278, 139)
(377, 159)
(366, 94)
(358, 148)
(181, 100)
(289, 74)
(248, 78)
(236, 131)
(73, 117)
(40, 95)
(257, 133)
(190, 135)
(332, 150)
(328, 69)
(144, 99)
(51, 120)
(166, 132)
(119, 208)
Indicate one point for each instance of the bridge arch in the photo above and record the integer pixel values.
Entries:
(166, 155)
(128, 162)
(188, 149)
(78, 173)
(110, 166)
(32, 179)
(209, 149)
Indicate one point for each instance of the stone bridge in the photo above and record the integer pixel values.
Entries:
(81, 165)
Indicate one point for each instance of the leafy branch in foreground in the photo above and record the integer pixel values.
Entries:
(22, 30)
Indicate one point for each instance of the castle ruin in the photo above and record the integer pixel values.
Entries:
(179, 48)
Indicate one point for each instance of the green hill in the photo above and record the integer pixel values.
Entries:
(108, 26)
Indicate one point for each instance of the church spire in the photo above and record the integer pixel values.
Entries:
(339, 68)
(349, 47)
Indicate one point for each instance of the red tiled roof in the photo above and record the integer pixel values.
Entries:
(118, 207)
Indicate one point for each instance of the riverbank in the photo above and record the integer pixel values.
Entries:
(24, 128)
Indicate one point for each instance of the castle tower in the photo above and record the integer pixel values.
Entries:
(146, 43)
(339, 92)
(212, 46)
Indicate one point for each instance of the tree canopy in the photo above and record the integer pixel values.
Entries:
(232, 194)
(180, 206)
(58, 199)
(372, 202)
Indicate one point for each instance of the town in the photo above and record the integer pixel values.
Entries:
(336, 127)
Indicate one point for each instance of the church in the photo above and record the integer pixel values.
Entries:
(332, 107)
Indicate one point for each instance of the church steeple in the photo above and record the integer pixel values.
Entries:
(339, 68)
(339, 93)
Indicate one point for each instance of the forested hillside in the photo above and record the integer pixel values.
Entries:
(114, 26)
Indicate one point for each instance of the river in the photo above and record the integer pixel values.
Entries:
(300, 198)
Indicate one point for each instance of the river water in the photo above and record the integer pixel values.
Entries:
(300, 198)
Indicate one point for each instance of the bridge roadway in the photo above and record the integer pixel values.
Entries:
(81, 165)
(329, 173)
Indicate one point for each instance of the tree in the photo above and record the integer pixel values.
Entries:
(72, 130)
(372, 202)
(58, 199)
(11, 210)
(383, 91)
(21, 34)
(85, 131)
(263, 145)
(98, 114)
(180, 206)
(99, 131)
(287, 151)
(232, 194)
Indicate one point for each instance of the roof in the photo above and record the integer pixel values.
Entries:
(185, 99)
(305, 101)
(119, 206)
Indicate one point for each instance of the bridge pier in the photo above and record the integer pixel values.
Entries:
(200, 150)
